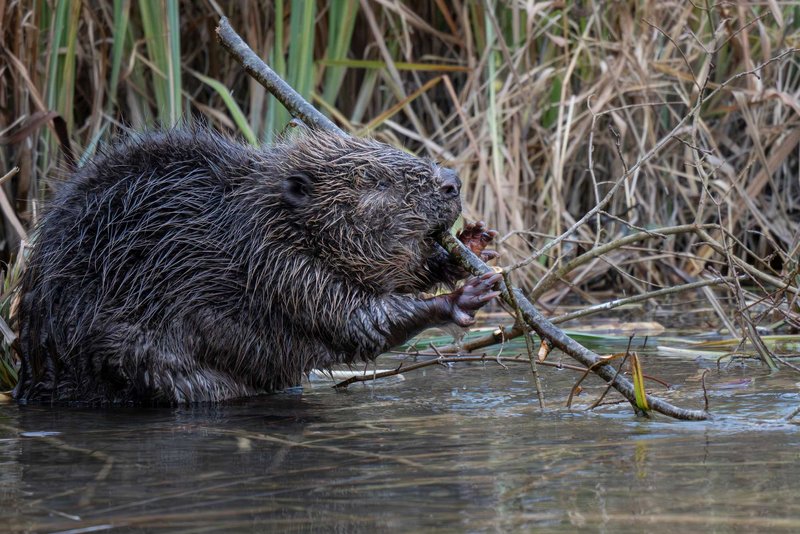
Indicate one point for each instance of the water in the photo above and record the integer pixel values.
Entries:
(462, 449)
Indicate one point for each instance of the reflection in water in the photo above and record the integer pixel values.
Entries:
(462, 449)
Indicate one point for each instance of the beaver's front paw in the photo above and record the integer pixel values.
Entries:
(477, 237)
(470, 297)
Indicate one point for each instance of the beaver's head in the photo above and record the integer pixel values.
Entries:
(371, 211)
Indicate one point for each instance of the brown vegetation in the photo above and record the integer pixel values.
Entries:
(513, 97)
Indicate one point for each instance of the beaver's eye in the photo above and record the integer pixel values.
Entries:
(297, 189)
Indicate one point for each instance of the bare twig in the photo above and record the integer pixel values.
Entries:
(442, 359)
(705, 391)
(590, 310)
(273, 83)
(550, 279)
(749, 269)
(602, 396)
(678, 48)
(749, 327)
(528, 345)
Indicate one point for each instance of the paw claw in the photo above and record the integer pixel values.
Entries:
(472, 296)
(477, 237)
(490, 296)
(488, 255)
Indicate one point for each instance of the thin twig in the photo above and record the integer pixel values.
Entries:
(550, 279)
(441, 360)
(705, 391)
(678, 48)
(273, 83)
(619, 370)
(528, 345)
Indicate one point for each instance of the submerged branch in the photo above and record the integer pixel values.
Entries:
(440, 359)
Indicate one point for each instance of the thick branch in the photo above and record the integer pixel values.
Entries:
(299, 107)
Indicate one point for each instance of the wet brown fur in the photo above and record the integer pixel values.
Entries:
(184, 266)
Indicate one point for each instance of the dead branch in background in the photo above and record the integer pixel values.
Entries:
(555, 273)
(273, 83)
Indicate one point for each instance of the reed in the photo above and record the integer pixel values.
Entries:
(512, 94)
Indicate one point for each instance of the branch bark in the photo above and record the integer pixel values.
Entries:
(547, 330)
(298, 107)
(282, 91)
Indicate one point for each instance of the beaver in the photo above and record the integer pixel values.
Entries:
(184, 266)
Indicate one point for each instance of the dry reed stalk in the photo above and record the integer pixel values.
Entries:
(513, 116)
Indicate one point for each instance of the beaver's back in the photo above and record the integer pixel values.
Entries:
(141, 235)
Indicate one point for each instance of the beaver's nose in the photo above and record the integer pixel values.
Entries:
(451, 184)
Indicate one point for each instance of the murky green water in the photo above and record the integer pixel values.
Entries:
(463, 449)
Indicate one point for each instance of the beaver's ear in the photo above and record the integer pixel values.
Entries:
(297, 189)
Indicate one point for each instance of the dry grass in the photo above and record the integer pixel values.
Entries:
(513, 97)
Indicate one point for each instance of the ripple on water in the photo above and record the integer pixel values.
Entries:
(444, 449)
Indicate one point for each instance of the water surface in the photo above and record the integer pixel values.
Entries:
(460, 449)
